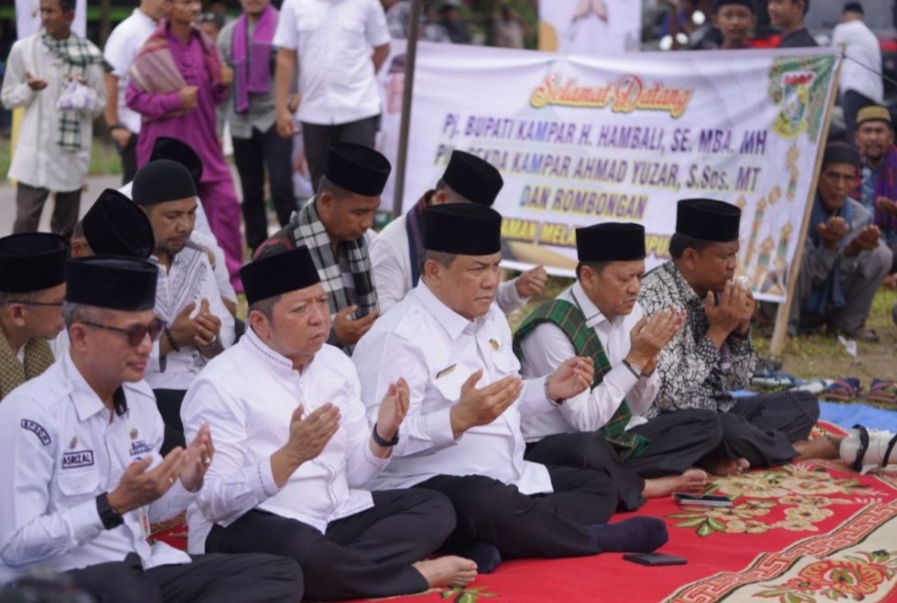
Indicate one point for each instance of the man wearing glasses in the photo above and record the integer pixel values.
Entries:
(32, 287)
(83, 479)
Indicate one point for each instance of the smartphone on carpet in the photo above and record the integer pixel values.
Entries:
(654, 559)
(703, 500)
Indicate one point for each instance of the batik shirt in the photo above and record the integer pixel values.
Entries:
(694, 373)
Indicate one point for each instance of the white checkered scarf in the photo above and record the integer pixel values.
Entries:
(77, 53)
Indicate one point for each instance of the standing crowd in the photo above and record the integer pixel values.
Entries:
(374, 427)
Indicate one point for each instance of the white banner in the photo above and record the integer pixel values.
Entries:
(590, 27)
(582, 140)
(28, 18)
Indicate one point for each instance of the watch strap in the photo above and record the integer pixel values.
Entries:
(108, 515)
(384, 443)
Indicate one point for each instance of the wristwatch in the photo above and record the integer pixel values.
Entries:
(108, 515)
(384, 443)
(634, 369)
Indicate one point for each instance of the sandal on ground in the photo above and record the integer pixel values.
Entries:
(883, 390)
(866, 449)
(843, 390)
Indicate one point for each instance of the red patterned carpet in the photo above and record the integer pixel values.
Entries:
(807, 533)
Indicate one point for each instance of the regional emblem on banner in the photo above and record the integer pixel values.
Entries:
(795, 97)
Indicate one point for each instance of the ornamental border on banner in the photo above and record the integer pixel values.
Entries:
(580, 140)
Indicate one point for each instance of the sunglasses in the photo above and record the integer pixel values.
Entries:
(136, 334)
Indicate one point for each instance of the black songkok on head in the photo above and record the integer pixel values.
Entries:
(610, 242)
(279, 273)
(115, 283)
(473, 178)
(357, 168)
(162, 181)
(166, 147)
(462, 229)
(841, 152)
(116, 226)
(708, 220)
(32, 261)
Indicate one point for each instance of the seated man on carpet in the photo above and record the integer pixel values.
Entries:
(32, 288)
(844, 259)
(712, 354)
(178, 151)
(332, 225)
(605, 428)
(294, 449)
(462, 436)
(199, 327)
(83, 478)
(395, 253)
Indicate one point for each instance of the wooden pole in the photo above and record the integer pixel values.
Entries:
(781, 329)
(105, 21)
(405, 124)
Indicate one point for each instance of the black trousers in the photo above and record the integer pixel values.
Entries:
(679, 441)
(366, 555)
(549, 525)
(317, 140)
(593, 452)
(208, 579)
(252, 156)
(169, 402)
(763, 428)
(128, 156)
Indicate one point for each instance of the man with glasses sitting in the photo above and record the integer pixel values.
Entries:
(83, 479)
(32, 288)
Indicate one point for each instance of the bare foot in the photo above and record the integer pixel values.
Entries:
(726, 468)
(820, 448)
(447, 571)
(692, 481)
(890, 281)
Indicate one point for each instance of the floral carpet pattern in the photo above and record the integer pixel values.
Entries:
(794, 497)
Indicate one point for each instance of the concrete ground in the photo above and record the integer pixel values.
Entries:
(95, 185)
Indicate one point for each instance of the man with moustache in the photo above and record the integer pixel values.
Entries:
(198, 326)
(462, 437)
(333, 225)
(604, 428)
(32, 289)
(83, 478)
(844, 259)
(295, 451)
(712, 355)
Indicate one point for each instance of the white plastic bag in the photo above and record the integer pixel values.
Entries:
(76, 97)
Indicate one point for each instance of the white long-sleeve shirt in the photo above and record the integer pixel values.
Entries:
(547, 347)
(436, 350)
(861, 69)
(391, 265)
(248, 395)
(38, 160)
(189, 279)
(121, 48)
(60, 452)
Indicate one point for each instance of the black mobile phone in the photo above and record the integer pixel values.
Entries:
(654, 559)
(703, 500)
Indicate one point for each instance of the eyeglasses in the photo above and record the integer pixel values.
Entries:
(26, 302)
(135, 333)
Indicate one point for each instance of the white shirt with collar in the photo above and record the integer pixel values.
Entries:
(248, 395)
(391, 265)
(547, 347)
(436, 350)
(189, 279)
(333, 40)
(60, 452)
(122, 46)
